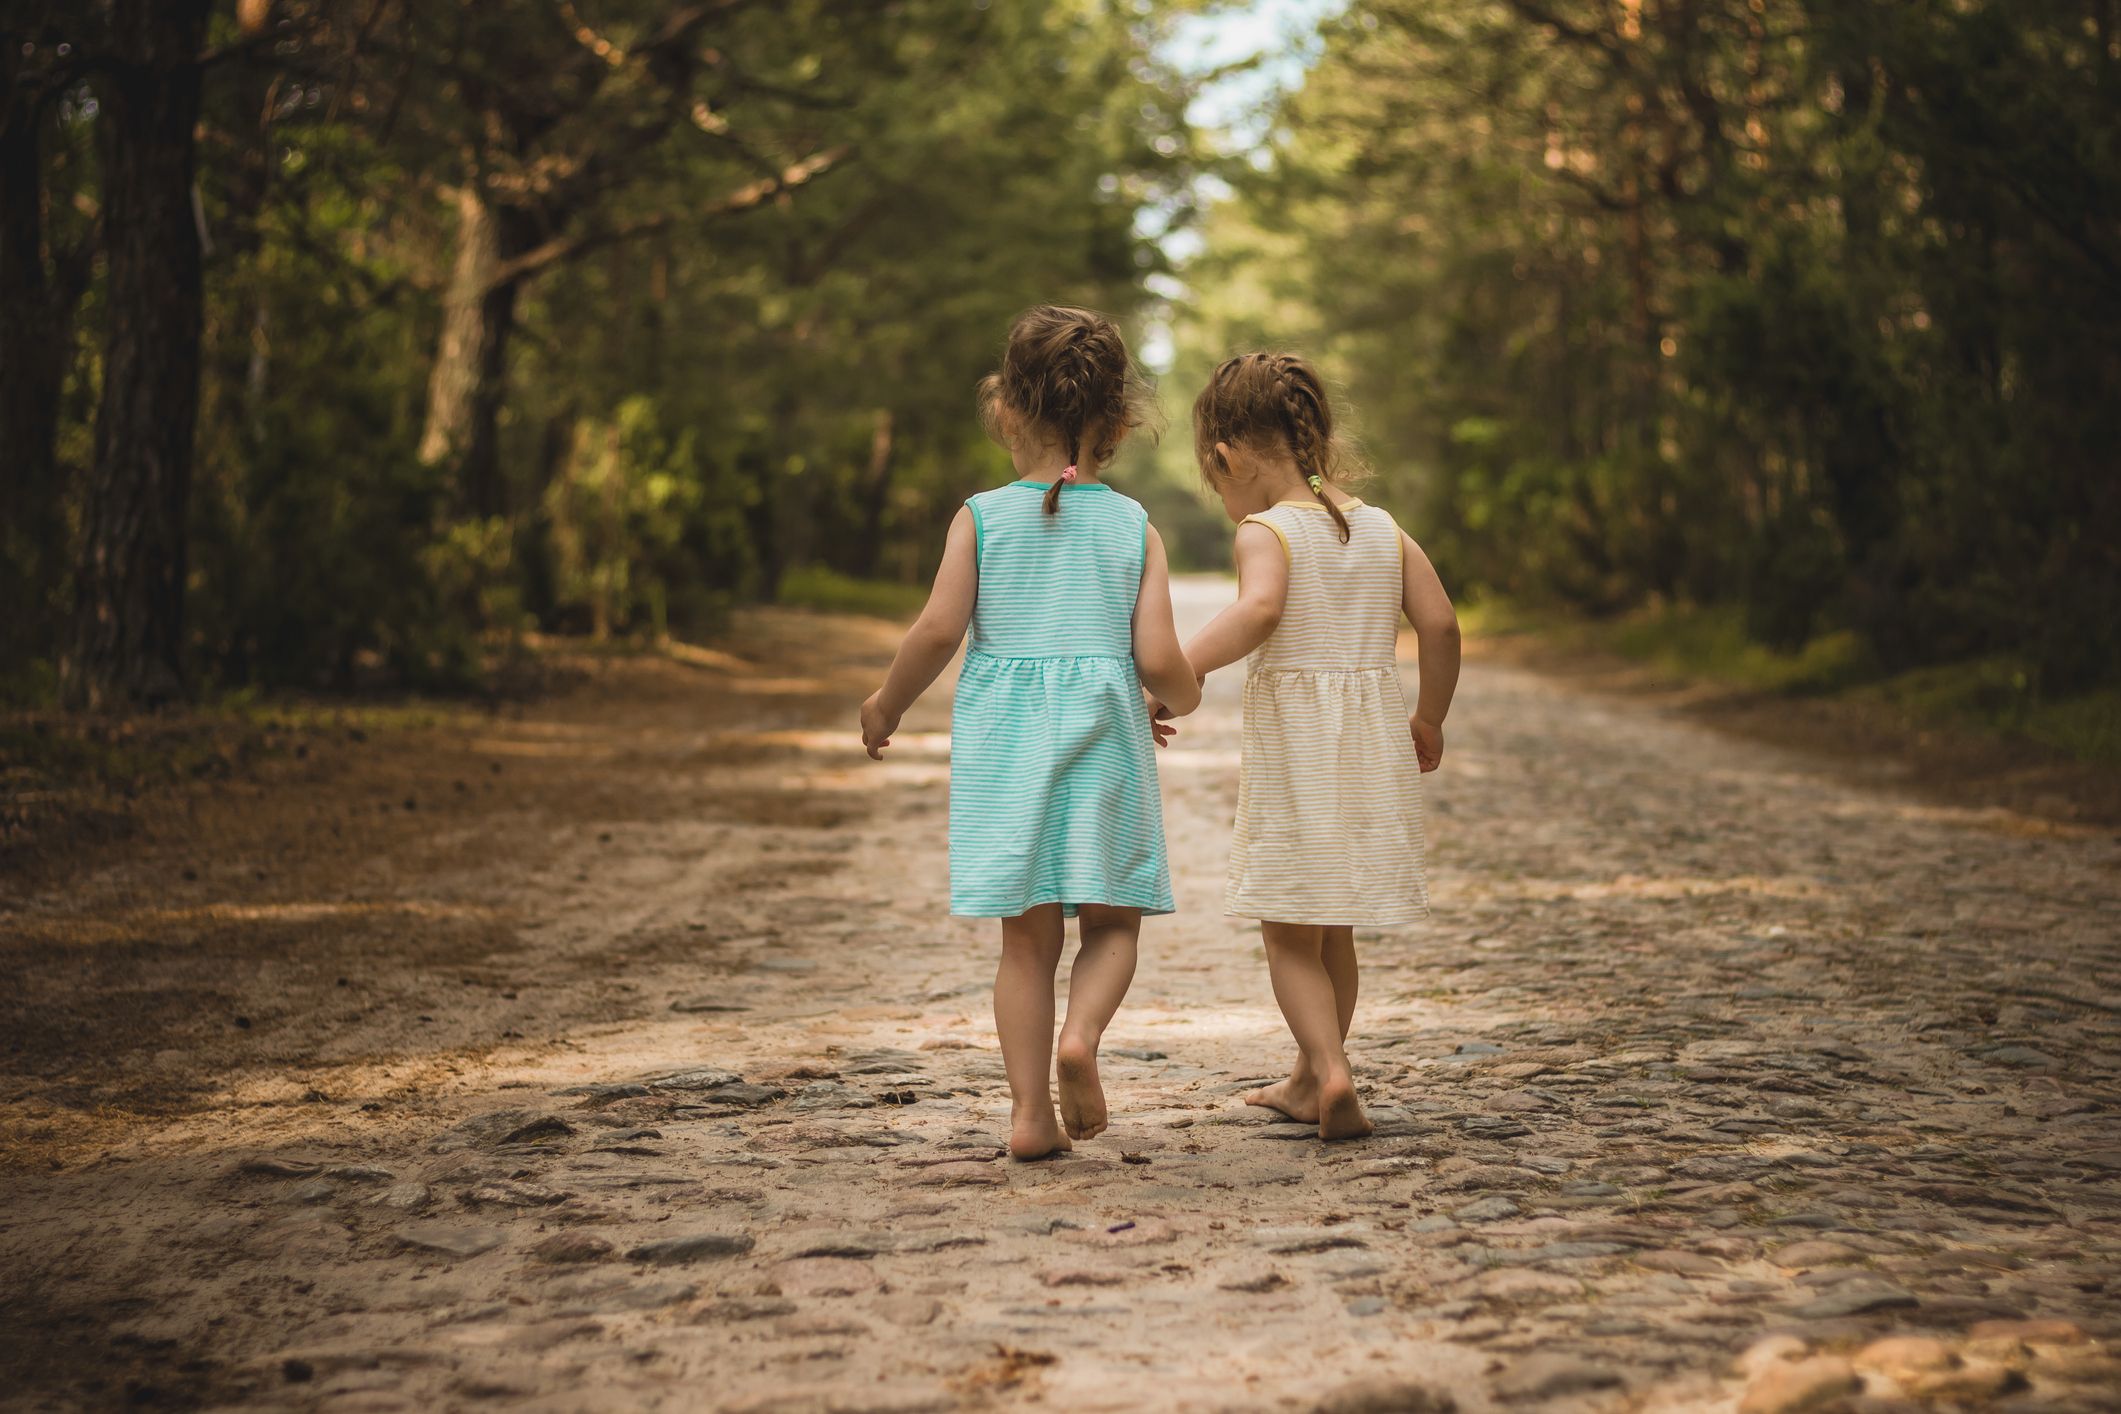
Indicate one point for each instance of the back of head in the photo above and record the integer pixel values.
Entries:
(1065, 371)
(1271, 402)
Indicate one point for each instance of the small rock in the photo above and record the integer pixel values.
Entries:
(1800, 1256)
(826, 1276)
(1385, 1397)
(908, 1310)
(1550, 1376)
(1291, 1240)
(572, 1247)
(1683, 1263)
(1854, 1301)
(542, 1130)
(1082, 1276)
(1966, 1382)
(1254, 1286)
(512, 1195)
(1905, 1358)
(2019, 1056)
(698, 1078)
(673, 1250)
(961, 1173)
(450, 1239)
(359, 1173)
(278, 1168)
(2048, 1332)
(738, 1308)
(1769, 1350)
(1794, 1386)
(2081, 1365)
(406, 1197)
(1524, 1284)
(1487, 1210)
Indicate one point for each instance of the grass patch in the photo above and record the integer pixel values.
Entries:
(1993, 695)
(814, 587)
(1706, 643)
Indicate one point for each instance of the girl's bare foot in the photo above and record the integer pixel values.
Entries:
(1296, 1097)
(1082, 1098)
(1034, 1134)
(1340, 1113)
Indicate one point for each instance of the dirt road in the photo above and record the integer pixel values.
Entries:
(616, 1054)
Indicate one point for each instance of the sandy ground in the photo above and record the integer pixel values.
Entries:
(614, 1052)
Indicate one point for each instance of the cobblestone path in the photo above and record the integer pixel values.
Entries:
(1714, 1079)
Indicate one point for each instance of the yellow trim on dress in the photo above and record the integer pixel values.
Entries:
(1279, 533)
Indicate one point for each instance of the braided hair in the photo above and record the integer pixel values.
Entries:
(1066, 371)
(1265, 399)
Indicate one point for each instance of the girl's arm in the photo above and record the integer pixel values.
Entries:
(1157, 656)
(1435, 623)
(932, 639)
(1262, 589)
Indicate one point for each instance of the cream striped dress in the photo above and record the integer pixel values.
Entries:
(1329, 818)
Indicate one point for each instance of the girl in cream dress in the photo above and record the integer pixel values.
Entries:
(1329, 833)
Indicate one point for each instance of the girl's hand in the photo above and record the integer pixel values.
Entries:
(1428, 742)
(1160, 721)
(877, 728)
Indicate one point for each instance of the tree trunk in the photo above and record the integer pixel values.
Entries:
(533, 545)
(32, 366)
(126, 643)
(468, 382)
(876, 494)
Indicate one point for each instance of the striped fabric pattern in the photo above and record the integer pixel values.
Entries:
(1329, 812)
(1053, 789)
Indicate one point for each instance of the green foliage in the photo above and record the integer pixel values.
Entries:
(618, 514)
(766, 253)
(1791, 319)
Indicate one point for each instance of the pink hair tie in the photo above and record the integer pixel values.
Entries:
(1069, 474)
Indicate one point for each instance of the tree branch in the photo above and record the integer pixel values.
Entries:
(745, 198)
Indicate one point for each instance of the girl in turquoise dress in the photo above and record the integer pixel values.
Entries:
(1054, 811)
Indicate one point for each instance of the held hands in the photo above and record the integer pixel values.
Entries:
(1160, 716)
(1428, 742)
(877, 727)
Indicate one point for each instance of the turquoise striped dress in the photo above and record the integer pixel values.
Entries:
(1053, 795)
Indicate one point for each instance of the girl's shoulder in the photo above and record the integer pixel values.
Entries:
(1005, 493)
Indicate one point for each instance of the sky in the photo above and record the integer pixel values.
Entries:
(1231, 110)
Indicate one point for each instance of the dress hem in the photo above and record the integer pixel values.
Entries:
(1068, 907)
(1391, 920)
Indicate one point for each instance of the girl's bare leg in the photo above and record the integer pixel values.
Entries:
(1297, 1097)
(1339, 957)
(1322, 1089)
(1104, 967)
(1023, 1017)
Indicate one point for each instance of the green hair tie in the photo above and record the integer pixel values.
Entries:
(1316, 483)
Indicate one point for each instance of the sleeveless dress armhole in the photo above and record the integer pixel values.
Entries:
(1279, 534)
(979, 529)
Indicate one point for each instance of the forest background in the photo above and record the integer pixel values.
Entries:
(353, 343)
